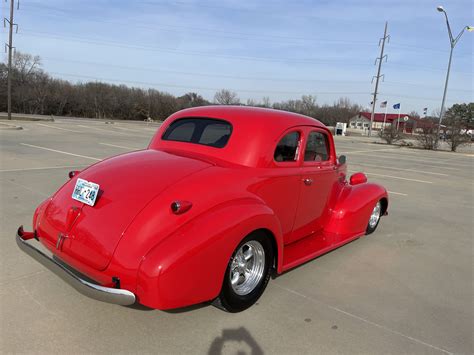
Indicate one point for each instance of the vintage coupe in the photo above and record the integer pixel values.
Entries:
(222, 196)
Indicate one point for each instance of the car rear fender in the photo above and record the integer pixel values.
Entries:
(188, 266)
(350, 215)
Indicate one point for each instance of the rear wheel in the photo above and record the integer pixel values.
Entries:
(374, 218)
(247, 273)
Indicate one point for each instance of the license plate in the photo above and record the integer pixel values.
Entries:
(85, 192)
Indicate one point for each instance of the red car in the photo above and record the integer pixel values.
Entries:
(222, 196)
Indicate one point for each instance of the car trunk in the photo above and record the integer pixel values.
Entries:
(127, 183)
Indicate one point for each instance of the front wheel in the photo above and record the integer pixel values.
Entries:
(374, 218)
(247, 273)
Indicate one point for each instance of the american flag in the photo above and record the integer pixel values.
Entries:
(383, 104)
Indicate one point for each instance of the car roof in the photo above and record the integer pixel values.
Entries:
(248, 117)
(255, 132)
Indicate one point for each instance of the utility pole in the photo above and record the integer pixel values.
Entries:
(10, 53)
(378, 76)
(452, 42)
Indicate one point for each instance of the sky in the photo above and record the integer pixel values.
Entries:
(277, 49)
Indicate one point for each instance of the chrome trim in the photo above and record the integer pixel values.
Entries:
(97, 292)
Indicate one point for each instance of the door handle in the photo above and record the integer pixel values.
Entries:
(308, 181)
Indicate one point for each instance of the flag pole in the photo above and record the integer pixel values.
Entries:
(398, 120)
(384, 117)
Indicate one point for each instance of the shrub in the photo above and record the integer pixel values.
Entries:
(390, 134)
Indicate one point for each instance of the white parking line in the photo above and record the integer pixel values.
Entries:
(42, 168)
(400, 169)
(407, 154)
(102, 129)
(418, 161)
(401, 178)
(60, 128)
(120, 146)
(395, 177)
(125, 129)
(27, 188)
(369, 151)
(60, 151)
(396, 193)
(377, 325)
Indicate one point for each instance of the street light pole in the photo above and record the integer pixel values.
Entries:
(452, 41)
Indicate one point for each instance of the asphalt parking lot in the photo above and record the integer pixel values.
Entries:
(407, 288)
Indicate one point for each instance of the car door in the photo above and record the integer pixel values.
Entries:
(318, 177)
(281, 186)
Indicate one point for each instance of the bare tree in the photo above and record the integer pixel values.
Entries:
(427, 137)
(390, 134)
(226, 97)
(266, 102)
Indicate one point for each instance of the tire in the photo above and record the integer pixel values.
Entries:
(247, 273)
(374, 218)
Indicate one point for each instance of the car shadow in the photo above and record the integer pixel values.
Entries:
(241, 336)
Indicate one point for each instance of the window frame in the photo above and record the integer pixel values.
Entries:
(217, 120)
(295, 162)
(309, 163)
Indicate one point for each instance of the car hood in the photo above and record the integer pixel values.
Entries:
(127, 183)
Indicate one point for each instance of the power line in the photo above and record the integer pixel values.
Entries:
(217, 32)
(263, 92)
(236, 77)
(206, 88)
(101, 42)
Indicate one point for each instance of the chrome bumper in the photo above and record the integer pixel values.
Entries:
(100, 293)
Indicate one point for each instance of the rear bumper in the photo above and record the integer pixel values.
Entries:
(100, 293)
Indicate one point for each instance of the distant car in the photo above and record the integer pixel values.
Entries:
(222, 196)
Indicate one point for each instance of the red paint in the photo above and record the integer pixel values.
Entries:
(173, 260)
(358, 178)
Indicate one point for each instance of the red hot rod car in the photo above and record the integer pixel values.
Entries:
(222, 196)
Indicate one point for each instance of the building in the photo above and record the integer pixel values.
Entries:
(362, 120)
(407, 123)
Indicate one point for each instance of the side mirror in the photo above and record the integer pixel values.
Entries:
(341, 160)
(358, 178)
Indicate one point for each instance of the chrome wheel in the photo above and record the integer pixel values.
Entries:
(247, 267)
(375, 216)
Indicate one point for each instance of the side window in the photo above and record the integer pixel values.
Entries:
(287, 148)
(317, 147)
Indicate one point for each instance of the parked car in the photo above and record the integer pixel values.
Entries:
(222, 197)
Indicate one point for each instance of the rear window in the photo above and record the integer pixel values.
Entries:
(205, 131)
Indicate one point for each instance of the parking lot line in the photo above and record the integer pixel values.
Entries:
(103, 129)
(60, 128)
(424, 157)
(400, 169)
(60, 151)
(401, 178)
(348, 314)
(120, 146)
(396, 193)
(369, 151)
(41, 168)
(27, 188)
(396, 177)
(418, 161)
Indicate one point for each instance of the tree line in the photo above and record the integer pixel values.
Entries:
(36, 92)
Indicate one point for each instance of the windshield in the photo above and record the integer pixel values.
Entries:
(205, 131)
